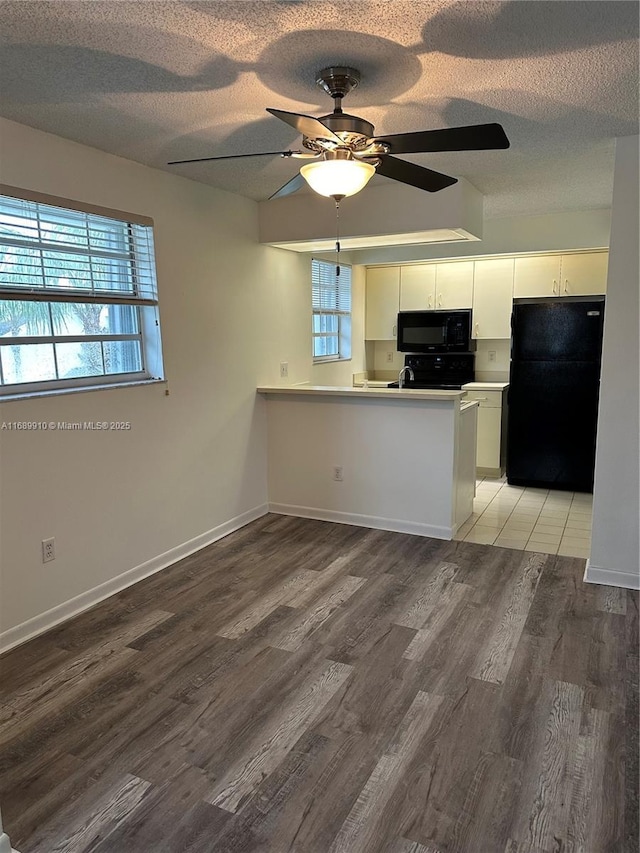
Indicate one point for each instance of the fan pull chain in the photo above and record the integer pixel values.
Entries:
(337, 237)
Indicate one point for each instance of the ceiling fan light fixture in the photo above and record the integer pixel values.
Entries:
(351, 154)
(337, 177)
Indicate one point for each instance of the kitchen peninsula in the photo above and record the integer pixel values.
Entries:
(393, 459)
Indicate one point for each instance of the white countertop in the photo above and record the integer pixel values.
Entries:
(350, 391)
(373, 383)
(485, 386)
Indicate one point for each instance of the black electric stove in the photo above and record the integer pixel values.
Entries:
(447, 371)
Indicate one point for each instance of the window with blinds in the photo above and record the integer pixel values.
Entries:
(331, 311)
(78, 299)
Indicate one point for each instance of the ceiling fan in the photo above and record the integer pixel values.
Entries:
(346, 153)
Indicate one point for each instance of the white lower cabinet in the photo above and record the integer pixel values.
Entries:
(491, 444)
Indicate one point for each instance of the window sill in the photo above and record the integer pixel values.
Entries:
(61, 392)
(330, 360)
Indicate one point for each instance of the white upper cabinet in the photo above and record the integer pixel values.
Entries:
(426, 287)
(492, 299)
(487, 285)
(576, 274)
(584, 274)
(454, 285)
(538, 275)
(382, 303)
(417, 287)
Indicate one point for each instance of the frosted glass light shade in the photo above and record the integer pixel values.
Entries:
(337, 177)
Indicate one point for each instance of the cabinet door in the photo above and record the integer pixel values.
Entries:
(538, 275)
(489, 424)
(584, 274)
(492, 299)
(382, 303)
(454, 285)
(417, 287)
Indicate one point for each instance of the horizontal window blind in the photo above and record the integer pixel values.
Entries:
(78, 297)
(330, 292)
(54, 254)
(331, 310)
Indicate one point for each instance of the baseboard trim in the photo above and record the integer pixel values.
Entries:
(62, 612)
(492, 473)
(610, 577)
(393, 524)
(5, 844)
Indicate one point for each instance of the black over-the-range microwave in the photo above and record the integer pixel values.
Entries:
(435, 331)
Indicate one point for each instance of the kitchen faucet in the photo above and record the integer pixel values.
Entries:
(401, 376)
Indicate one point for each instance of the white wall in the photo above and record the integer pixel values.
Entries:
(616, 509)
(486, 370)
(498, 369)
(231, 311)
(584, 229)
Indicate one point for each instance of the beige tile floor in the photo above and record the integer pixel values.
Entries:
(550, 521)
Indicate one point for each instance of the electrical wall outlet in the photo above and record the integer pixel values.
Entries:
(492, 355)
(48, 550)
(284, 369)
(337, 473)
(390, 358)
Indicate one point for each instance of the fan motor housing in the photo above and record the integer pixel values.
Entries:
(355, 132)
(348, 124)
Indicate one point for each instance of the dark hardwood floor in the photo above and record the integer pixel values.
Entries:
(319, 688)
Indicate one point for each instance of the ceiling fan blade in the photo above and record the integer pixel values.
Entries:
(415, 176)
(237, 156)
(306, 125)
(296, 183)
(474, 137)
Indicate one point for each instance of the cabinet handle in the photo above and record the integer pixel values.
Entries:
(566, 285)
(395, 331)
(440, 300)
(555, 285)
(430, 301)
(476, 327)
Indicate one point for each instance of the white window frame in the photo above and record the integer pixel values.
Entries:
(331, 296)
(36, 245)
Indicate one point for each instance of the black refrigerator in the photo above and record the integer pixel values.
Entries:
(553, 392)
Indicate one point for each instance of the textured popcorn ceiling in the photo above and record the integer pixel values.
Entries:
(160, 81)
